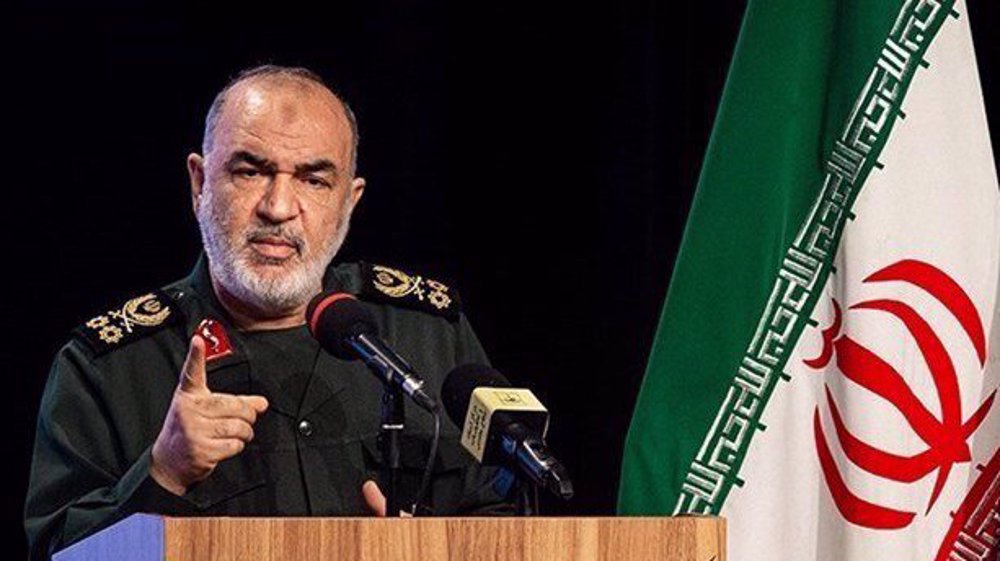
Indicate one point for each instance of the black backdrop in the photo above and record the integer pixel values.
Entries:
(542, 157)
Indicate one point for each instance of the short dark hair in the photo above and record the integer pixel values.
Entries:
(273, 70)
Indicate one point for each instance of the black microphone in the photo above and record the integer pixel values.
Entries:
(347, 330)
(503, 425)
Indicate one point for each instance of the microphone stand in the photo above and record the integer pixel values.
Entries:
(527, 497)
(388, 442)
(396, 383)
(391, 427)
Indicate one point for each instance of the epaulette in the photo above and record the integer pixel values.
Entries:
(392, 286)
(134, 320)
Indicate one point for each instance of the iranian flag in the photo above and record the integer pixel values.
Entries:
(826, 369)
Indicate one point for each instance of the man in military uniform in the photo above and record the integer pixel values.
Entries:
(209, 397)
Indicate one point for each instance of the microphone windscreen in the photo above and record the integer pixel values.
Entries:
(335, 317)
(459, 384)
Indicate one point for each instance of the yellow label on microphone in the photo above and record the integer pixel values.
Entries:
(486, 401)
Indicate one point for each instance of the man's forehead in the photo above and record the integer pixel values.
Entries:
(286, 113)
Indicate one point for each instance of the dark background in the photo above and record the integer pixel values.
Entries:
(542, 157)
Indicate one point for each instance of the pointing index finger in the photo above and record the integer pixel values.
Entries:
(193, 377)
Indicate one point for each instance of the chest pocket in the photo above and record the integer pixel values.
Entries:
(448, 472)
(229, 489)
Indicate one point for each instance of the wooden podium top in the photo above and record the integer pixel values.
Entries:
(145, 537)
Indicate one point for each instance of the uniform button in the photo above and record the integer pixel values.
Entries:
(305, 428)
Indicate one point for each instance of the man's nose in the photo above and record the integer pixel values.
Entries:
(280, 202)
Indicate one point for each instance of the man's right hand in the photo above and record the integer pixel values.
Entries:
(202, 428)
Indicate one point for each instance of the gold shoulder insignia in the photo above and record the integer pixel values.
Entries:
(392, 286)
(133, 320)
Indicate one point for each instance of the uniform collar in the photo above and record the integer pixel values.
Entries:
(232, 373)
(199, 302)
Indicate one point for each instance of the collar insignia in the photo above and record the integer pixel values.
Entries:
(217, 343)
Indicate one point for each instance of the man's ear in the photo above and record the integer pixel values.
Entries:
(196, 174)
(357, 189)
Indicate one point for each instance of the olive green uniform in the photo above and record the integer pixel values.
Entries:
(111, 386)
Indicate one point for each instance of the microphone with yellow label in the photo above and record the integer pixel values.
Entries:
(502, 425)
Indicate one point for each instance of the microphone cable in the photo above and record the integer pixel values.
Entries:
(428, 467)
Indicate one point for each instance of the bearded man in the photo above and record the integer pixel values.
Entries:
(209, 397)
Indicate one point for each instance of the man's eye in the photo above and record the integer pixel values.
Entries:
(317, 182)
(248, 173)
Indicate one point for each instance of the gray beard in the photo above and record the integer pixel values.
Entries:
(231, 262)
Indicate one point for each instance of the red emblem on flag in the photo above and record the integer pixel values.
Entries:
(945, 437)
(217, 343)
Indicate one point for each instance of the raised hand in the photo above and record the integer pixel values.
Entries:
(201, 428)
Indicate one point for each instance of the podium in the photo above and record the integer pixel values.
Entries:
(146, 537)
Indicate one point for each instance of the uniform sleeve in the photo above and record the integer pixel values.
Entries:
(80, 482)
(487, 489)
